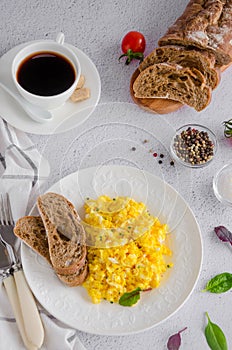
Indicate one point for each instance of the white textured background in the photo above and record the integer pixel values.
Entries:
(96, 27)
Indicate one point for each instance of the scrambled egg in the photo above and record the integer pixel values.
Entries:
(126, 248)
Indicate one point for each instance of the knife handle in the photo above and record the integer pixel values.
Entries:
(31, 317)
(11, 291)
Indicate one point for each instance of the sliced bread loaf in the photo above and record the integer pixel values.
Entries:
(31, 230)
(204, 24)
(174, 82)
(203, 61)
(65, 234)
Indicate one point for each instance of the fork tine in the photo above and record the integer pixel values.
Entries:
(1, 210)
(4, 211)
(6, 217)
(10, 215)
(6, 221)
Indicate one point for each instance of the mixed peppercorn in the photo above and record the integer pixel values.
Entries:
(193, 146)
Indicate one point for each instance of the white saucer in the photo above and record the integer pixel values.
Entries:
(67, 116)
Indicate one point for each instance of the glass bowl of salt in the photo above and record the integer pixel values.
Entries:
(222, 184)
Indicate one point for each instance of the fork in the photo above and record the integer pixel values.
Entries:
(18, 291)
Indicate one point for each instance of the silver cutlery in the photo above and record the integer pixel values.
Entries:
(18, 291)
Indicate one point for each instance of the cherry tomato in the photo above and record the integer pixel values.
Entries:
(133, 46)
(134, 41)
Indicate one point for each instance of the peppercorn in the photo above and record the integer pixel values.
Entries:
(193, 146)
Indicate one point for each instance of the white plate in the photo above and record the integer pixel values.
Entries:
(67, 116)
(72, 305)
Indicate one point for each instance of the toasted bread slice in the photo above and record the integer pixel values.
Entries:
(31, 230)
(65, 234)
(75, 279)
(67, 257)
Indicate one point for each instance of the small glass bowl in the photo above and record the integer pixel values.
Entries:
(222, 184)
(180, 154)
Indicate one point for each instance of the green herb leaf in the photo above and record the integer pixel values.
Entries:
(220, 283)
(131, 298)
(215, 336)
(132, 55)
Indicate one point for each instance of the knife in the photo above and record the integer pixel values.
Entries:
(9, 283)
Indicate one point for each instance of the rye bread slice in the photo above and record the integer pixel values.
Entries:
(65, 234)
(75, 279)
(31, 230)
(201, 60)
(172, 81)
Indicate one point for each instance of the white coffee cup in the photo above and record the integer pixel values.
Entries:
(43, 46)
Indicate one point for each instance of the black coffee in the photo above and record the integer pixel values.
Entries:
(46, 74)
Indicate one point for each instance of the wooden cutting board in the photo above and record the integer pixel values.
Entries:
(154, 105)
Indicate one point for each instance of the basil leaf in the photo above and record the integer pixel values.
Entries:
(223, 234)
(174, 342)
(215, 336)
(131, 298)
(220, 283)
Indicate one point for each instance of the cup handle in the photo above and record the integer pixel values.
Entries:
(60, 38)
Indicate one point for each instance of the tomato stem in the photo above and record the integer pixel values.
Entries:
(132, 55)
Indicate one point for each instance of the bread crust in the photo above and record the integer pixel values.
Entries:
(206, 25)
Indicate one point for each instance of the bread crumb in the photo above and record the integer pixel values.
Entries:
(81, 82)
(80, 94)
